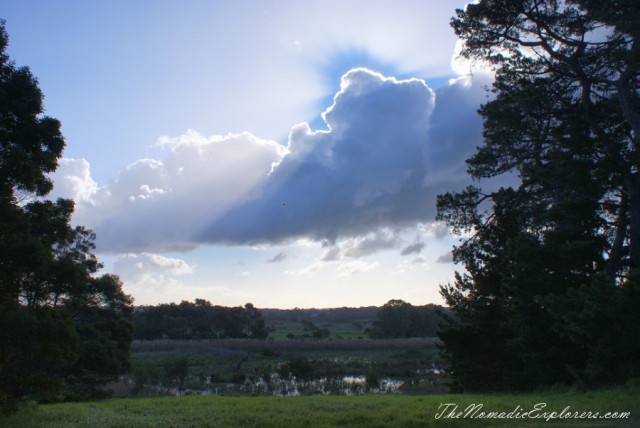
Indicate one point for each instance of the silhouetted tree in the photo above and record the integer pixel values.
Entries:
(175, 373)
(308, 325)
(565, 119)
(398, 319)
(53, 311)
(254, 323)
(321, 333)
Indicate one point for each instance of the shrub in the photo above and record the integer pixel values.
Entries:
(238, 378)
(373, 378)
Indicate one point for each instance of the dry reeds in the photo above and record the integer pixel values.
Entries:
(217, 346)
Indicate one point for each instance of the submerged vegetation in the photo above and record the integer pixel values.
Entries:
(284, 367)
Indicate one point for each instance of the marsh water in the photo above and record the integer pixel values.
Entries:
(346, 385)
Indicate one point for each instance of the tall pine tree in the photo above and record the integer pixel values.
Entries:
(566, 119)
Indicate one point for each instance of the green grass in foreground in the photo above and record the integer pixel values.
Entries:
(324, 411)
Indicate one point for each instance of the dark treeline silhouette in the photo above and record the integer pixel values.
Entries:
(197, 320)
(202, 320)
(399, 319)
(344, 315)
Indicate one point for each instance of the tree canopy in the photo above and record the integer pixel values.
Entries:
(62, 331)
(197, 320)
(564, 118)
(397, 319)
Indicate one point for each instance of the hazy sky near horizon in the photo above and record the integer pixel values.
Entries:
(284, 153)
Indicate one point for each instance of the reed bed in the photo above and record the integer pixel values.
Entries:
(216, 346)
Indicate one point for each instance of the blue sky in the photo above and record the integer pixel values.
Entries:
(284, 153)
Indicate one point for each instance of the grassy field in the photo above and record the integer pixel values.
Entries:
(338, 330)
(330, 411)
(341, 322)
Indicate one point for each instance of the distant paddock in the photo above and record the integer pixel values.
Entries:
(283, 345)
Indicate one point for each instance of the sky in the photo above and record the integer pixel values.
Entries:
(285, 153)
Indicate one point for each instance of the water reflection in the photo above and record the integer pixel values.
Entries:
(347, 385)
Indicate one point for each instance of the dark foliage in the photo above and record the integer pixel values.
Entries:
(342, 315)
(175, 373)
(62, 332)
(308, 325)
(399, 319)
(550, 262)
(298, 366)
(198, 320)
(321, 333)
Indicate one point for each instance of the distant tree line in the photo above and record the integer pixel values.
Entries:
(344, 315)
(399, 319)
(197, 320)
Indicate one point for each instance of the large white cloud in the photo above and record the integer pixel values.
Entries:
(391, 147)
(157, 206)
(150, 271)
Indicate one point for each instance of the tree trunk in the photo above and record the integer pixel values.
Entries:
(622, 222)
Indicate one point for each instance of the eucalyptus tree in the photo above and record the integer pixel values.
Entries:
(62, 329)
